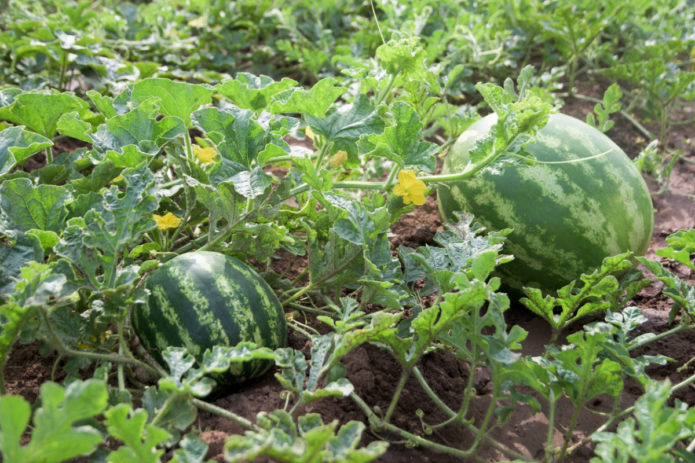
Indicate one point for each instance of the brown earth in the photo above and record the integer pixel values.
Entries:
(374, 373)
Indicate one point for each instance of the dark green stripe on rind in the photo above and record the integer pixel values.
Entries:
(566, 217)
(202, 299)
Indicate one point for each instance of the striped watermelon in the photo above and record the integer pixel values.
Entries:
(201, 299)
(567, 217)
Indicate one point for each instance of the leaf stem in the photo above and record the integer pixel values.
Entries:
(453, 416)
(632, 346)
(233, 417)
(552, 401)
(397, 394)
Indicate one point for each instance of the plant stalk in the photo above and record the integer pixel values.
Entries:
(240, 420)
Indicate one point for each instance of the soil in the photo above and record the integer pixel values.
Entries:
(374, 374)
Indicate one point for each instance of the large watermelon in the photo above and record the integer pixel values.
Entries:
(201, 299)
(566, 217)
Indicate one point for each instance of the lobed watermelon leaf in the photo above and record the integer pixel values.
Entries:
(401, 142)
(22, 110)
(17, 145)
(177, 99)
(140, 439)
(652, 434)
(256, 93)
(29, 206)
(128, 139)
(314, 101)
(59, 432)
(110, 225)
(348, 123)
(280, 439)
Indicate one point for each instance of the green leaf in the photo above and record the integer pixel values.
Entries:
(348, 123)
(13, 422)
(109, 226)
(253, 92)
(592, 293)
(314, 101)
(17, 145)
(682, 293)
(103, 103)
(681, 245)
(129, 138)
(402, 57)
(47, 238)
(178, 99)
(101, 175)
(191, 450)
(173, 410)
(23, 110)
(139, 438)
(463, 248)
(309, 441)
(401, 142)
(238, 138)
(652, 433)
(603, 111)
(251, 183)
(15, 253)
(39, 207)
(59, 433)
(71, 125)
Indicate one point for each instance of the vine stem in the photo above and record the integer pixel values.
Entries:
(656, 337)
(378, 424)
(440, 178)
(552, 400)
(233, 417)
(3, 390)
(397, 395)
(186, 189)
(453, 416)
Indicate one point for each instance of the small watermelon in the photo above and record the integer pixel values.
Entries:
(567, 215)
(202, 299)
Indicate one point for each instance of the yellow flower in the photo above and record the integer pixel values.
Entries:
(200, 21)
(117, 179)
(204, 155)
(412, 189)
(169, 220)
(309, 133)
(338, 159)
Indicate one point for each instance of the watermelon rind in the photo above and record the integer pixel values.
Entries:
(566, 217)
(202, 299)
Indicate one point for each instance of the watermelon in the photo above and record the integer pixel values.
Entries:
(202, 299)
(566, 217)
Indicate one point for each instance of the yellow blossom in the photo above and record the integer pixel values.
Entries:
(204, 154)
(412, 189)
(309, 133)
(166, 221)
(338, 159)
(200, 21)
(117, 179)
